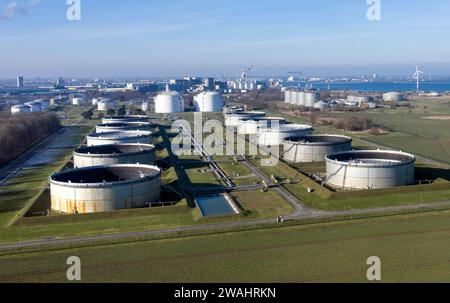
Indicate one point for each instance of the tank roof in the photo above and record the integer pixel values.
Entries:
(124, 134)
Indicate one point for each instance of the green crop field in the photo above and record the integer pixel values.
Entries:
(412, 248)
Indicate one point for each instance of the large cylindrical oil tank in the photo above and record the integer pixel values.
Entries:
(208, 102)
(364, 169)
(124, 119)
(288, 96)
(169, 102)
(275, 136)
(300, 98)
(34, 106)
(20, 109)
(234, 119)
(114, 154)
(250, 126)
(105, 105)
(120, 127)
(105, 188)
(314, 148)
(393, 97)
(311, 98)
(144, 137)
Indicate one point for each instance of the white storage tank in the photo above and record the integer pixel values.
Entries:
(34, 106)
(105, 105)
(393, 97)
(314, 148)
(288, 96)
(311, 98)
(123, 126)
(209, 102)
(275, 136)
(168, 103)
(105, 188)
(78, 101)
(250, 126)
(124, 119)
(299, 98)
(233, 119)
(367, 169)
(20, 109)
(114, 154)
(144, 137)
(95, 101)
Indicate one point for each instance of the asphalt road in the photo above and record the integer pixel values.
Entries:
(220, 226)
(14, 167)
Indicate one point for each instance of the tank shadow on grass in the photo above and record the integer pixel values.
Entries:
(432, 174)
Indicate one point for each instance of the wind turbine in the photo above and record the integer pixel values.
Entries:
(417, 76)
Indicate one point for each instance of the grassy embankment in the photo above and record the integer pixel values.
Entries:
(412, 248)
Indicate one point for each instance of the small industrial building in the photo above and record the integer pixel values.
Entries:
(105, 188)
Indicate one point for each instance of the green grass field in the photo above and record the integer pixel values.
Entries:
(411, 132)
(412, 248)
(27, 185)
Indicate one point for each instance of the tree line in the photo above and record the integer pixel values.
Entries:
(21, 132)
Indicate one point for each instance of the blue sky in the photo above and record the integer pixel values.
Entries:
(180, 37)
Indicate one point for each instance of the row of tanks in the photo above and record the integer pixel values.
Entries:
(115, 171)
(345, 168)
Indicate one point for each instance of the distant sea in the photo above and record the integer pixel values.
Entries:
(440, 87)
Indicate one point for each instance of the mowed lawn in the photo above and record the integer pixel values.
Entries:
(412, 249)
